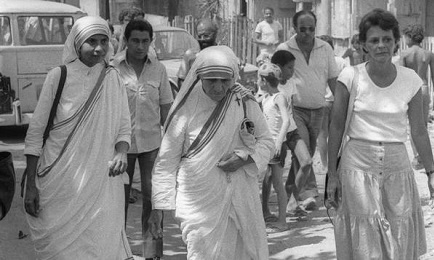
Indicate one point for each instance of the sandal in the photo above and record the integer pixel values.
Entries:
(271, 218)
(277, 227)
(298, 212)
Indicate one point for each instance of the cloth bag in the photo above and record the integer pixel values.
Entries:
(7, 182)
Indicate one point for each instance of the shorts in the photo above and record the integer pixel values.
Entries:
(281, 158)
(292, 139)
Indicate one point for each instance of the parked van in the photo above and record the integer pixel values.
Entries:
(32, 34)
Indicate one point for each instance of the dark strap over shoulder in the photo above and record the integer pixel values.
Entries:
(55, 104)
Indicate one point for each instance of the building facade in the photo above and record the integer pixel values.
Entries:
(338, 18)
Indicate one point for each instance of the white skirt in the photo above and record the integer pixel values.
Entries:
(380, 216)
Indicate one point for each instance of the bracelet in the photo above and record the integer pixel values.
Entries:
(428, 173)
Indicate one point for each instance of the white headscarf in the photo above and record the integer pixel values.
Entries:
(211, 62)
(84, 28)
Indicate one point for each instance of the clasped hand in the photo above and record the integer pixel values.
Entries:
(333, 190)
(118, 165)
(230, 163)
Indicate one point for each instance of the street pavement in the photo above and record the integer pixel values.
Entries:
(308, 238)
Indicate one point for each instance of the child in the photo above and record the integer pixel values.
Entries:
(285, 60)
(275, 107)
(356, 53)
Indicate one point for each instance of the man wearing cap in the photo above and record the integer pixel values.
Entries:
(315, 68)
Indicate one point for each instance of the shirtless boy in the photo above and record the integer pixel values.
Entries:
(418, 59)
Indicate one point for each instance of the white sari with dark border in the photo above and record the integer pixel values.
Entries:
(220, 213)
(82, 207)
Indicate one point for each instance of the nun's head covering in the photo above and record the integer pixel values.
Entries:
(211, 62)
(82, 29)
(215, 65)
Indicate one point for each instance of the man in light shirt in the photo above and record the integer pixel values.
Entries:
(149, 99)
(315, 68)
(269, 33)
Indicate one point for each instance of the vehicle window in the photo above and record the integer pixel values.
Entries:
(5, 31)
(43, 30)
(173, 44)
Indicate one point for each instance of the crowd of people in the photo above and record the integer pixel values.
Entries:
(203, 154)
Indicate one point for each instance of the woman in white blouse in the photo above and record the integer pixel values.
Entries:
(379, 214)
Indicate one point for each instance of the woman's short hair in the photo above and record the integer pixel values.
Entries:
(282, 57)
(301, 13)
(414, 32)
(379, 17)
(139, 25)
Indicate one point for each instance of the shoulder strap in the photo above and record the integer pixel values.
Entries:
(353, 94)
(55, 104)
(244, 107)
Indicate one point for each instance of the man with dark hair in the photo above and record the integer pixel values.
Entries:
(269, 34)
(149, 98)
(315, 68)
(418, 59)
(206, 36)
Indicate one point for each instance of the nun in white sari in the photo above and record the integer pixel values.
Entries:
(74, 193)
(207, 168)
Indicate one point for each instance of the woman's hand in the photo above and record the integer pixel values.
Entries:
(232, 162)
(333, 191)
(154, 223)
(31, 197)
(118, 165)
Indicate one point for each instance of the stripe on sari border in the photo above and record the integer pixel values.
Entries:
(210, 128)
(213, 129)
(79, 110)
(215, 68)
(66, 121)
(89, 106)
(83, 118)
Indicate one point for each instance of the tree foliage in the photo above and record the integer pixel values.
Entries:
(209, 8)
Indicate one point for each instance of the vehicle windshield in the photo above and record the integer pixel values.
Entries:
(44, 30)
(5, 31)
(173, 44)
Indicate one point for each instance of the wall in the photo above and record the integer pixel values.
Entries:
(429, 19)
(322, 9)
(90, 7)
